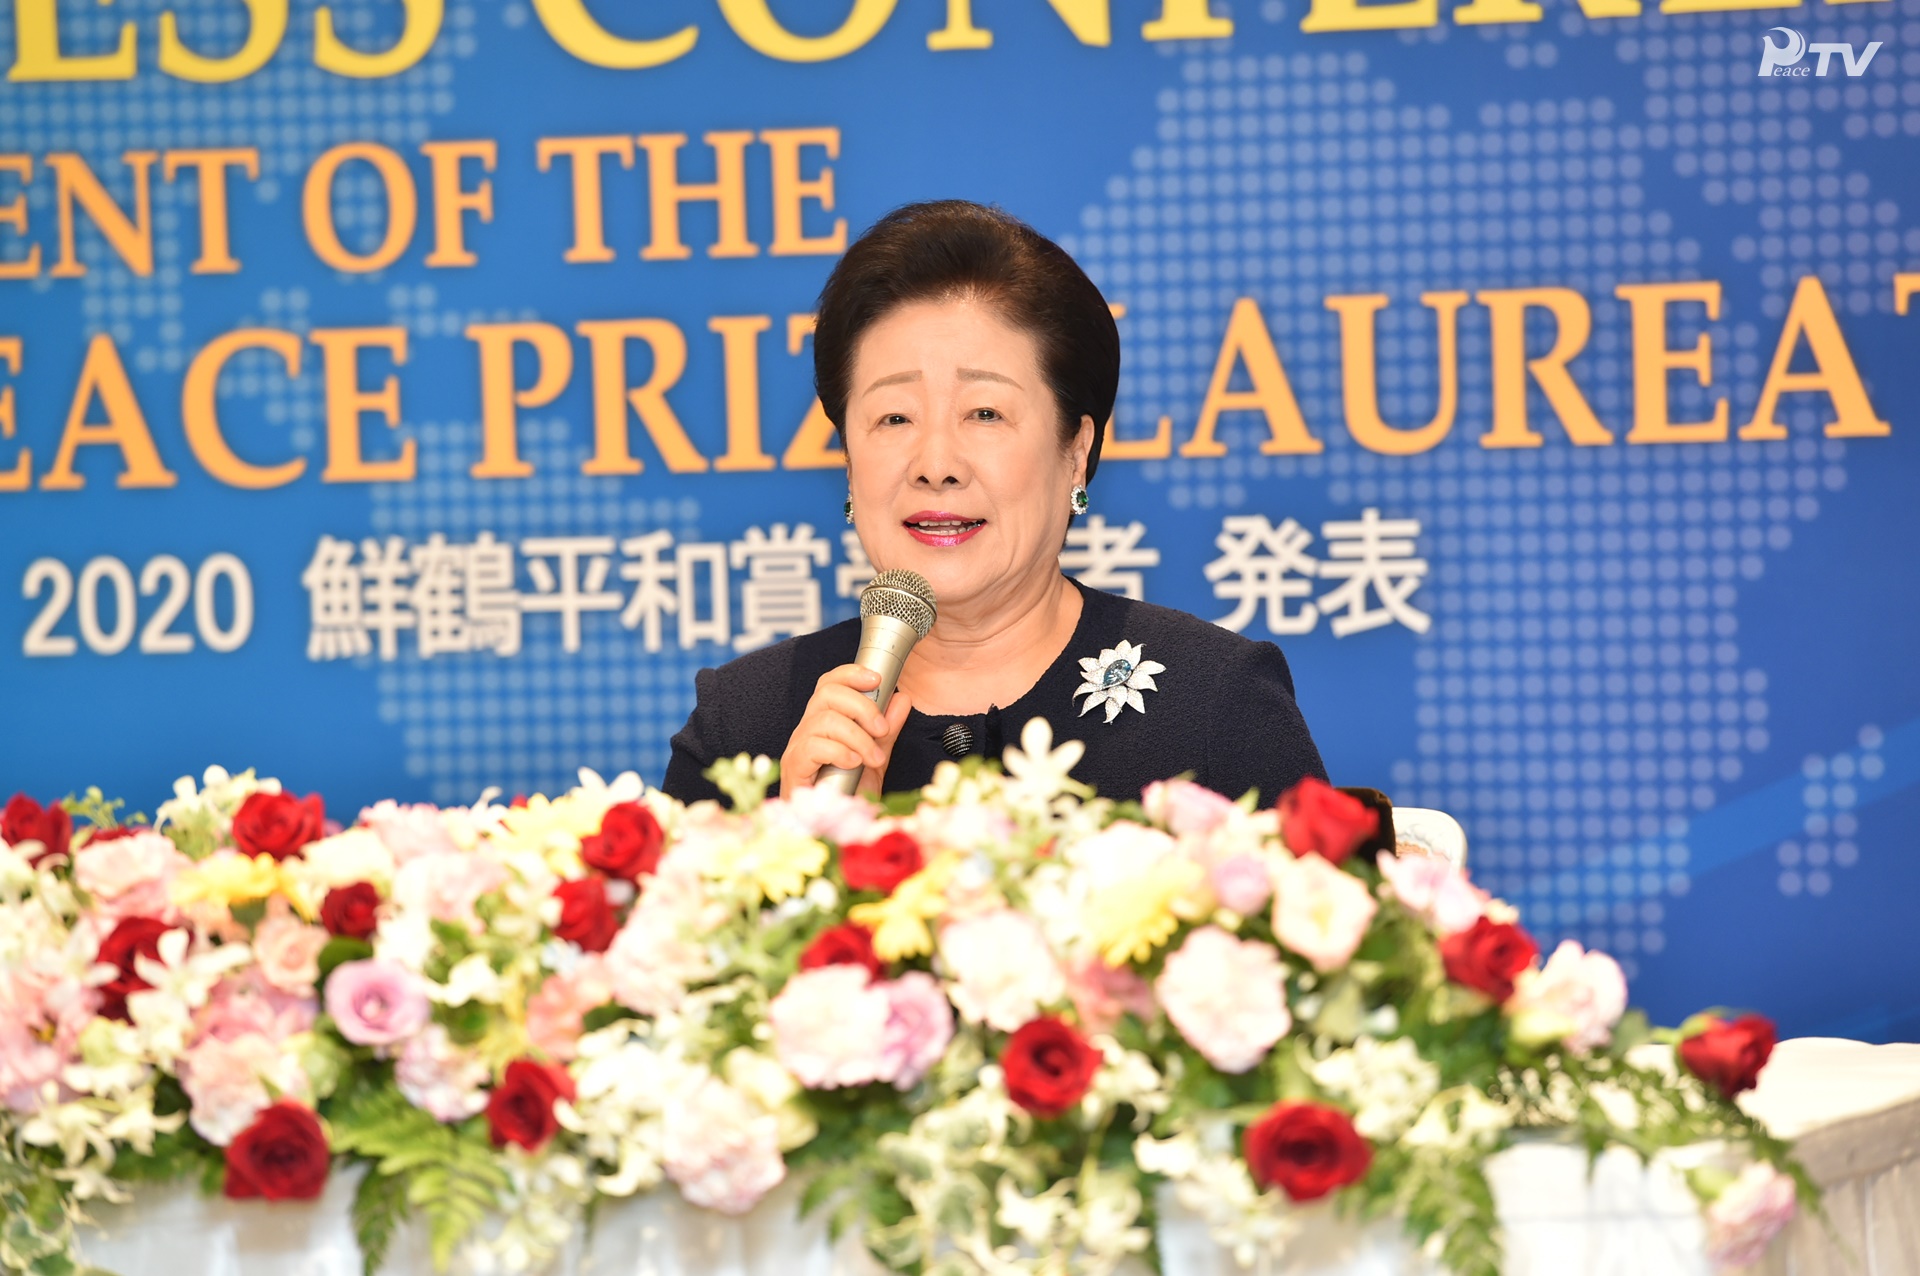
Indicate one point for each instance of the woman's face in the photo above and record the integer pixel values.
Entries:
(954, 455)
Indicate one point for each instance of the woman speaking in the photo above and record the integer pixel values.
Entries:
(969, 364)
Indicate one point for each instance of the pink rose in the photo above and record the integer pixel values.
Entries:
(1227, 997)
(720, 1149)
(919, 1026)
(830, 1027)
(445, 884)
(440, 1078)
(409, 831)
(1748, 1214)
(130, 876)
(1242, 883)
(557, 1010)
(1002, 969)
(1435, 890)
(1102, 994)
(376, 1003)
(1183, 807)
(1320, 912)
(226, 1082)
(287, 950)
(41, 1017)
(1576, 997)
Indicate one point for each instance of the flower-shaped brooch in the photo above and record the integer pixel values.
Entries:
(1116, 679)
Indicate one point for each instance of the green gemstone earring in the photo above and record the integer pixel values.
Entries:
(1077, 498)
(847, 509)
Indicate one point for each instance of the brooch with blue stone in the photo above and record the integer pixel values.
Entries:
(1116, 679)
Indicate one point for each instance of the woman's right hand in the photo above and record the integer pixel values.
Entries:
(842, 728)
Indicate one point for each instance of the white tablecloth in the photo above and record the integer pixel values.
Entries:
(1855, 1108)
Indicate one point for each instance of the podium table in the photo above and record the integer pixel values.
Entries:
(1854, 1108)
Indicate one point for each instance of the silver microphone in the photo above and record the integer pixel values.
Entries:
(896, 611)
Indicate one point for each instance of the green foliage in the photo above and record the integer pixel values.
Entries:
(340, 950)
(1446, 1199)
(451, 1174)
(96, 809)
(744, 780)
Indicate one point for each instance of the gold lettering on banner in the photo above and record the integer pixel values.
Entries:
(316, 203)
(210, 172)
(1156, 448)
(1354, 15)
(19, 477)
(1653, 359)
(1187, 20)
(1811, 316)
(583, 156)
(131, 237)
(347, 401)
(453, 201)
(36, 48)
(612, 396)
(1248, 341)
(1360, 373)
(1481, 12)
(574, 30)
(813, 443)
(792, 193)
(200, 413)
(500, 394)
(13, 213)
(416, 37)
(727, 192)
(1573, 324)
(104, 375)
(267, 27)
(740, 351)
(754, 23)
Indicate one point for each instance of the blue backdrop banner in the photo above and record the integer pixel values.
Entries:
(407, 396)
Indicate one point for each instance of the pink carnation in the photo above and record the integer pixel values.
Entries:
(823, 812)
(649, 966)
(287, 950)
(1748, 1214)
(1183, 807)
(557, 1011)
(41, 1018)
(445, 885)
(439, 1077)
(919, 1026)
(1320, 912)
(1576, 997)
(376, 1003)
(409, 831)
(1102, 994)
(130, 876)
(225, 1081)
(1241, 882)
(1434, 889)
(720, 1149)
(1227, 997)
(830, 1027)
(1002, 969)
(245, 1004)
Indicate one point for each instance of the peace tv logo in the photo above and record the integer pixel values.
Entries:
(1785, 59)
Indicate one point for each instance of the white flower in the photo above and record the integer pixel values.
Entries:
(1227, 997)
(1037, 771)
(1387, 1083)
(721, 1149)
(1116, 679)
(1576, 997)
(471, 979)
(1002, 970)
(1320, 912)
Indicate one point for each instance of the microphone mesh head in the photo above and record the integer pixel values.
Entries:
(902, 595)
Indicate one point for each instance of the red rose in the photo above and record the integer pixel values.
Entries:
(282, 1156)
(133, 937)
(586, 916)
(520, 1109)
(1306, 1150)
(1048, 1066)
(1318, 819)
(278, 824)
(25, 820)
(99, 835)
(1487, 955)
(847, 944)
(349, 910)
(1729, 1056)
(628, 843)
(882, 864)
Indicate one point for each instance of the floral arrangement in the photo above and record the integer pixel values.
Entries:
(994, 1026)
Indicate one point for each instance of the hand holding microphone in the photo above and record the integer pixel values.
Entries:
(853, 717)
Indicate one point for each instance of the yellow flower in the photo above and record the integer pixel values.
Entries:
(899, 922)
(553, 828)
(227, 878)
(777, 861)
(1129, 918)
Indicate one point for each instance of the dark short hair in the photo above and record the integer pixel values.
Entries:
(952, 248)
